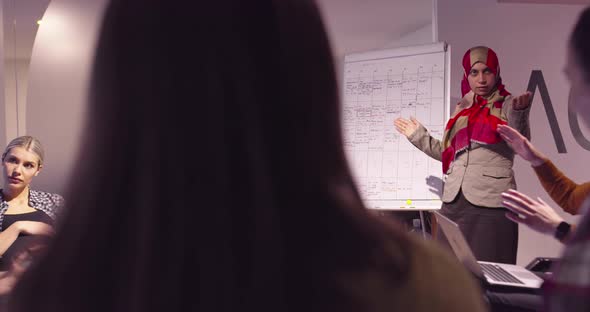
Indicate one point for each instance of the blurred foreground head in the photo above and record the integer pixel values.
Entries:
(212, 174)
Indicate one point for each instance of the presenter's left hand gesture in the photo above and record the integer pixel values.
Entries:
(522, 101)
(405, 126)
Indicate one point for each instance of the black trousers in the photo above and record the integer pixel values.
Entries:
(490, 235)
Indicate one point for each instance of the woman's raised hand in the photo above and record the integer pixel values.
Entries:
(536, 214)
(405, 126)
(521, 145)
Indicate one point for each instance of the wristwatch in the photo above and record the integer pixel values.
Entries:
(562, 230)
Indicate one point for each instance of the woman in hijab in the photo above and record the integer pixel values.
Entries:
(477, 163)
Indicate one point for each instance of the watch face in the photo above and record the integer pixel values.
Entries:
(562, 230)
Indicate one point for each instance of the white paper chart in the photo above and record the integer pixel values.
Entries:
(379, 87)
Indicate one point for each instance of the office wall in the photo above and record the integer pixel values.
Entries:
(64, 48)
(58, 78)
(3, 108)
(16, 72)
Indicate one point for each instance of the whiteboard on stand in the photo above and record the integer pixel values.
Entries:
(378, 87)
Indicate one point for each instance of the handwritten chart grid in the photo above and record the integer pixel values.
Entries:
(390, 172)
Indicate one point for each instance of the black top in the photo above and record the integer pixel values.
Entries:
(23, 241)
(36, 215)
(49, 203)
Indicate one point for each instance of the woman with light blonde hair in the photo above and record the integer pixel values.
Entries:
(26, 215)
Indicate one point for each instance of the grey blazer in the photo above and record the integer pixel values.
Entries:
(482, 172)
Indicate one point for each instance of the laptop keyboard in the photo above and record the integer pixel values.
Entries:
(497, 273)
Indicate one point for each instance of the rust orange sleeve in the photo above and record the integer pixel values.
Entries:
(566, 193)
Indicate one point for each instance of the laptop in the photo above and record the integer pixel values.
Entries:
(500, 274)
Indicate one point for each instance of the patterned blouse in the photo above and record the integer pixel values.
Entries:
(49, 203)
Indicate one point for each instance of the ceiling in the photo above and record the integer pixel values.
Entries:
(352, 24)
(548, 1)
(357, 23)
(20, 26)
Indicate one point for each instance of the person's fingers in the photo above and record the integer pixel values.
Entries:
(414, 121)
(508, 131)
(544, 203)
(528, 96)
(514, 133)
(506, 138)
(518, 202)
(511, 132)
(401, 122)
(516, 102)
(525, 198)
(515, 218)
(516, 208)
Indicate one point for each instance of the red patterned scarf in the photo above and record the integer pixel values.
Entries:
(478, 122)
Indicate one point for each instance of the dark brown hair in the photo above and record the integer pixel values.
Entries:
(212, 175)
(580, 43)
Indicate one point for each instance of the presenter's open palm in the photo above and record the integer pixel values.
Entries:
(405, 126)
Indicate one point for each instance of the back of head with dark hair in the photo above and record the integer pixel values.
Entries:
(213, 172)
(580, 43)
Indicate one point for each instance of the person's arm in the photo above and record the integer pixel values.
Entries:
(9, 235)
(419, 137)
(565, 192)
